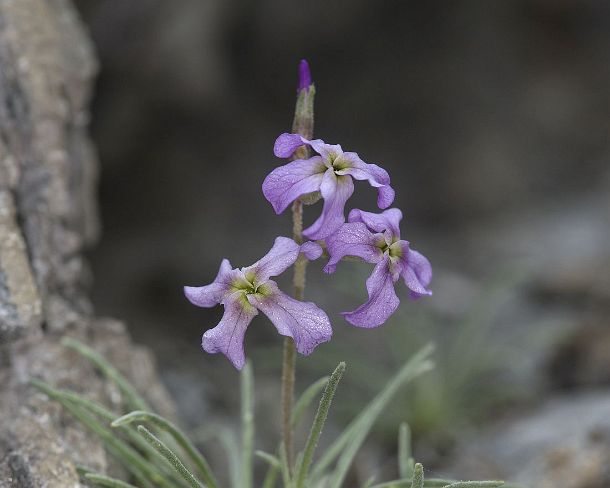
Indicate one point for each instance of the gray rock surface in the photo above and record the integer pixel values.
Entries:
(47, 218)
(565, 443)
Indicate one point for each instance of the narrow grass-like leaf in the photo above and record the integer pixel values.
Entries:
(271, 476)
(418, 476)
(318, 423)
(106, 482)
(145, 472)
(438, 483)
(247, 425)
(170, 456)
(181, 439)
(476, 484)
(306, 398)
(268, 458)
(232, 452)
(285, 468)
(369, 482)
(133, 399)
(406, 463)
(347, 444)
(101, 411)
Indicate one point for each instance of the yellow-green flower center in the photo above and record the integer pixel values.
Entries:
(249, 285)
(393, 249)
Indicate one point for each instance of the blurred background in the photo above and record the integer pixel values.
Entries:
(492, 119)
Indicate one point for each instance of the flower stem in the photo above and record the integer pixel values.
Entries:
(288, 366)
(302, 124)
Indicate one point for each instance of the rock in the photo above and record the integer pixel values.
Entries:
(565, 443)
(47, 218)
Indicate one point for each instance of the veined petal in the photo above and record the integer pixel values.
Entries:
(307, 324)
(280, 257)
(375, 175)
(287, 183)
(228, 336)
(382, 302)
(210, 295)
(416, 272)
(352, 239)
(286, 144)
(378, 222)
(335, 190)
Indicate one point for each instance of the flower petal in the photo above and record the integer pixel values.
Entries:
(335, 190)
(375, 175)
(286, 144)
(280, 257)
(416, 272)
(382, 302)
(311, 250)
(327, 151)
(228, 336)
(378, 222)
(352, 239)
(287, 183)
(307, 324)
(210, 295)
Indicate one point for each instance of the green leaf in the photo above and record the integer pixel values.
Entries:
(232, 451)
(285, 468)
(306, 398)
(318, 423)
(170, 456)
(145, 472)
(106, 482)
(406, 463)
(348, 443)
(438, 483)
(418, 476)
(476, 484)
(274, 468)
(133, 399)
(181, 439)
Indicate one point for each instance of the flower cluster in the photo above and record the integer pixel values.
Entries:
(371, 237)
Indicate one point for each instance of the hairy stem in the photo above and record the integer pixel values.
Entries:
(302, 124)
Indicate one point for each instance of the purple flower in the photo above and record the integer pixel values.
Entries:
(330, 172)
(245, 291)
(375, 238)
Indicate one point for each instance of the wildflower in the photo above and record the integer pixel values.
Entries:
(330, 173)
(243, 292)
(375, 238)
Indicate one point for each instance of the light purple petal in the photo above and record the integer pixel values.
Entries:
(352, 239)
(286, 144)
(382, 302)
(228, 336)
(378, 222)
(311, 250)
(375, 175)
(327, 151)
(335, 190)
(416, 272)
(210, 295)
(307, 324)
(287, 183)
(280, 257)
